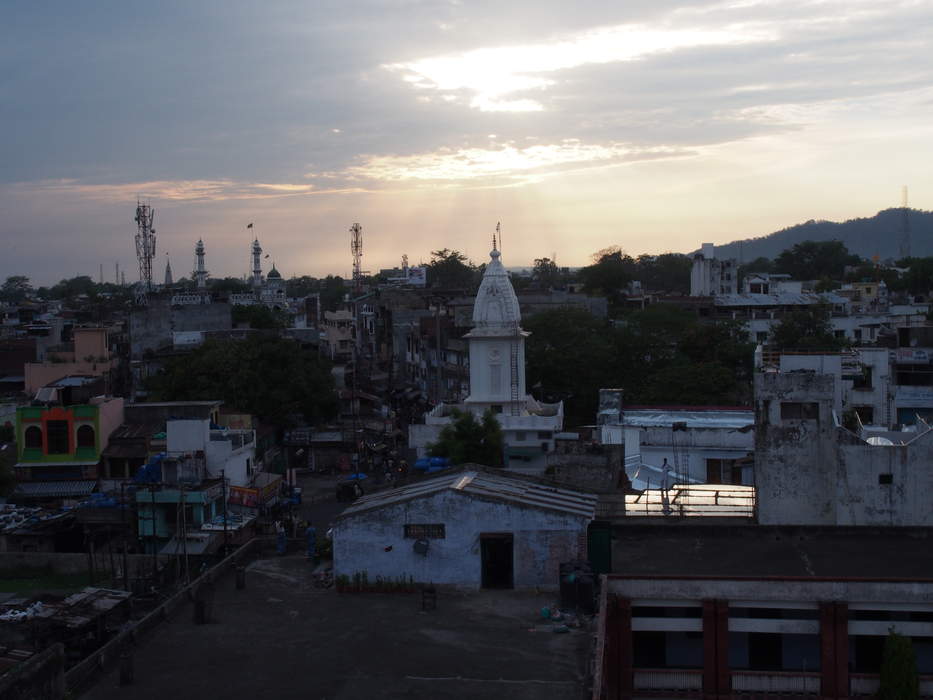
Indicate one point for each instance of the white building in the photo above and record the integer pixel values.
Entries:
(227, 451)
(711, 277)
(679, 444)
(497, 378)
(470, 528)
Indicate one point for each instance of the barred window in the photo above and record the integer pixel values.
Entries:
(425, 532)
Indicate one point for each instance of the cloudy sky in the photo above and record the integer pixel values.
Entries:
(649, 124)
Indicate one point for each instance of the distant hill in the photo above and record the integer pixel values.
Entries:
(879, 235)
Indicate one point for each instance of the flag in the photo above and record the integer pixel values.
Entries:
(250, 225)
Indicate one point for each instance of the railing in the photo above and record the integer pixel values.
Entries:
(668, 679)
(776, 682)
(81, 674)
(863, 684)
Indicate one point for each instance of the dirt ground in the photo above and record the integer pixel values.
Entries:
(281, 638)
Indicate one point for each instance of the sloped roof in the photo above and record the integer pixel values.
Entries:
(484, 485)
(54, 489)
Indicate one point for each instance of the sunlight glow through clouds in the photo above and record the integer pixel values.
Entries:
(505, 164)
(492, 73)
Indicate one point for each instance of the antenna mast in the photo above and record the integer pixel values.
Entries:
(356, 247)
(905, 225)
(145, 244)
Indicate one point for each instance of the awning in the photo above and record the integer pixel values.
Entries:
(53, 489)
(118, 451)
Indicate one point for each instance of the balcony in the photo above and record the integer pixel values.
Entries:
(776, 682)
(668, 679)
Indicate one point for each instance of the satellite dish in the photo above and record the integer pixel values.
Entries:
(879, 441)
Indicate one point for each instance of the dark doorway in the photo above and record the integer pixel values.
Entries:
(497, 560)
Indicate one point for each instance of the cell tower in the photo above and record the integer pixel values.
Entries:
(905, 225)
(145, 243)
(356, 247)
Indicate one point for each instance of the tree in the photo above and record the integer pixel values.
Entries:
(228, 285)
(668, 272)
(259, 316)
(300, 287)
(545, 273)
(810, 260)
(72, 288)
(570, 338)
(333, 290)
(807, 327)
(450, 269)
(466, 439)
(271, 377)
(899, 680)
(15, 289)
(609, 275)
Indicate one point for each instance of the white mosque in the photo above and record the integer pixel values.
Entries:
(497, 378)
(269, 291)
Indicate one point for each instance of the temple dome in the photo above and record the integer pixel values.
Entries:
(496, 308)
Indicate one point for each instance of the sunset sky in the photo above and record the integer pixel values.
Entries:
(647, 124)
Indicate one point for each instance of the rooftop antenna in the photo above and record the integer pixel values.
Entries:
(145, 244)
(905, 225)
(497, 234)
(356, 247)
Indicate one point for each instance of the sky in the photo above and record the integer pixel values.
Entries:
(650, 125)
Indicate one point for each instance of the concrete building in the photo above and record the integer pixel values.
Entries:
(761, 611)
(497, 378)
(711, 277)
(60, 439)
(468, 528)
(87, 354)
(679, 444)
(810, 470)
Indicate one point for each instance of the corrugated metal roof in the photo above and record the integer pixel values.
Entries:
(661, 418)
(780, 299)
(54, 489)
(484, 485)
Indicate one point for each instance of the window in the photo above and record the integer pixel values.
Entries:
(866, 414)
(425, 532)
(520, 436)
(544, 434)
(86, 436)
(32, 437)
(249, 467)
(496, 409)
(57, 437)
(799, 411)
(886, 478)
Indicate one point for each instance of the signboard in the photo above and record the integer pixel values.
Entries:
(418, 276)
(241, 496)
(911, 356)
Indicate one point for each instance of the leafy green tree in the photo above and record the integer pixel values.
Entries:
(811, 260)
(668, 272)
(300, 287)
(450, 269)
(807, 327)
(545, 274)
(259, 316)
(466, 439)
(72, 288)
(274, 378)
(899, 679)
(15, 289)
(333, 290)
(609, 275)
(569, 338)
(228, 285)
(919, 276)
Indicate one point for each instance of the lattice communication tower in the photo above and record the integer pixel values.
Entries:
(145, 243)
(356, 247)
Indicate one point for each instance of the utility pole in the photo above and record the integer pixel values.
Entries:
(223, 491)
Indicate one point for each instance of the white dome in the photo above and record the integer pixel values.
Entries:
(496, 308)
